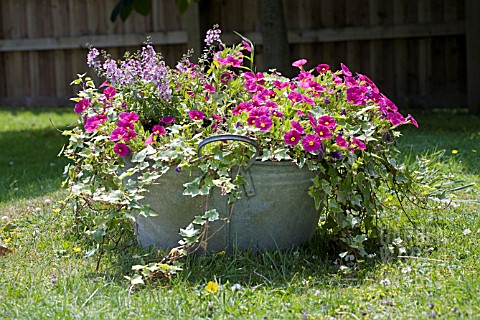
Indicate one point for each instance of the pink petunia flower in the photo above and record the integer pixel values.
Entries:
(167, 120)
(412, 120)
(196, 115)
(345, 70)
(341, 142)
(323, 68)
(295, 125)
(117, 134)
(82, 105)
(158, 130)
(264, 123)
(129, 135)
(121, 149)
(130, 117)
(292, 137)
(359, 144)
(247, 46)
(311, 143)
(323, 132)
(109, 92)
(92, 123)
(209, 87)
(327, 121)
(150, 139)
(299, 63)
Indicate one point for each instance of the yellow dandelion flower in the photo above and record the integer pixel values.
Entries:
(390, 198)
(454, 151)
(474, 150)
(77, 249)
(6, 240)
(211, 287)
(56, 210)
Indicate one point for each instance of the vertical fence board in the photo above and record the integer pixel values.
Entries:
(424, 50)
(400, 54)
(472, 12)
(412, 69)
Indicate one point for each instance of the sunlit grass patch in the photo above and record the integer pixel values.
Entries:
(48, 274)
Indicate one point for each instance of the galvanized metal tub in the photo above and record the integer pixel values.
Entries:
(275, 210)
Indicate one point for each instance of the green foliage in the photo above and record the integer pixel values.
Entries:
(124, 8)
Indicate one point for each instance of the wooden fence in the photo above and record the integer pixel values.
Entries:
(421, 53)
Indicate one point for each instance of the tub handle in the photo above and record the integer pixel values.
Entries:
(249, 188)
(234, 137)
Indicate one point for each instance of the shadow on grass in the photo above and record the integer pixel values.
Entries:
(30, 144)
(449, 131)
(315, 261)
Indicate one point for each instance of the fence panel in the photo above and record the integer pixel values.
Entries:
(415, 50)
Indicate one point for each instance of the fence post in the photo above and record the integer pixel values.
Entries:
(191, 20)
(472, 25)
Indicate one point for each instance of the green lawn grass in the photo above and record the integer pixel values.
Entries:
(48, 276)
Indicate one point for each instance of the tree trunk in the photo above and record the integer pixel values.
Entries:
(276, 53)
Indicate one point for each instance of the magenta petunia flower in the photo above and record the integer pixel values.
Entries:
(129, 135)
(242, 107)
(345, 70)
(247, 46)
(117, 134)
(323, 68)
(121, 149)
(277, 113)
(130, 117)
(263, 123)
(327, 121)
(412, 120)
(295, 125)
(323, 132)
(396, 118)
(299, 63)
(82, 105)
(280, 85)
(359, 144)
(109, 92)
(271, 105)
(158, 130)
(355, 96)
(295, 97)
(209, 87)
(125, 125)
(224, 78)
(167, 120)
(341, 142)
(292, 137)
(149, 139)
(196, 115)
(311, 143)
(92, 123)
